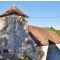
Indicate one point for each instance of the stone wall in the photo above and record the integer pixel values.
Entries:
(19, 41)
(15, 38)
(7, 35)
(23, 43)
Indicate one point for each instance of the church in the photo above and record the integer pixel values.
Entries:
(19, 39)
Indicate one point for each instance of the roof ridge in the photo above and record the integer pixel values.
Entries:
(38, 32)
(16, 11)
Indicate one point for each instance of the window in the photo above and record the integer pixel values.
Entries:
(6, 51)
(5, 42)
(0, 52)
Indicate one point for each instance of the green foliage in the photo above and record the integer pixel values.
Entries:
(25, 58)
(57, 31)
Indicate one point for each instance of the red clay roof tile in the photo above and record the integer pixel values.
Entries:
(42, 36)
(14, 10)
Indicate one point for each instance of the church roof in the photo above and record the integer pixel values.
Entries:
(14, 10)
(42, 36)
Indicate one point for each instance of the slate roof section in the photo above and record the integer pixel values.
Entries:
(42, 36)
(14, 10)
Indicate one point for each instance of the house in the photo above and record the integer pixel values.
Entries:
(17, 38)
(48, 40)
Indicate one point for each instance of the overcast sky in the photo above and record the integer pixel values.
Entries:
(43, 14)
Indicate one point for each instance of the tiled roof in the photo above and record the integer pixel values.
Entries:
(42, 36)
(14, 10)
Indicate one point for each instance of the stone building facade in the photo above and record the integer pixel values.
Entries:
(17, 38)
(14, 36)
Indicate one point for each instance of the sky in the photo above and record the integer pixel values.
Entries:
(42, 14)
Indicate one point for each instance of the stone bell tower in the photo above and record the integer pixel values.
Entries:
(14, 34)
